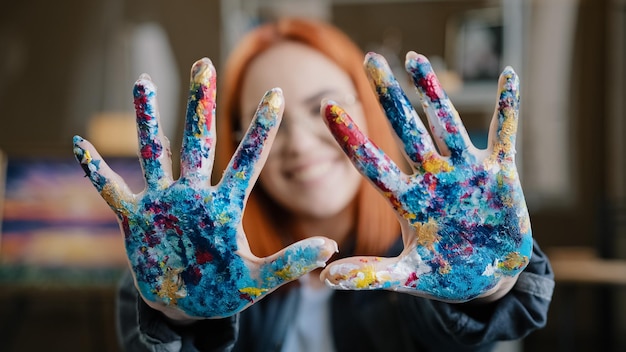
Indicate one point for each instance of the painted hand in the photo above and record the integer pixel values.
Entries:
(465, 225)
(184, 239)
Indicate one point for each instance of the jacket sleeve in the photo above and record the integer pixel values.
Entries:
(514, 316)
(141, 328)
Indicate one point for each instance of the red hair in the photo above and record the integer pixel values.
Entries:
(377, 226)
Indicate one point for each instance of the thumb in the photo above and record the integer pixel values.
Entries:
(109, 184)
(295, 261)
(362, 273)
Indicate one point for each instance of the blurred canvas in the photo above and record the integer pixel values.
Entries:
(53, 218)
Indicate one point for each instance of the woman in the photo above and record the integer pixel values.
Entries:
(190, 258)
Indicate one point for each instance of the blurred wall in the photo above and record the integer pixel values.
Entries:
(45, 46)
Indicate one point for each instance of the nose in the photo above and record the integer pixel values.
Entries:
(298, 136)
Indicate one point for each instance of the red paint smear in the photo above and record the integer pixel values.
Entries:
(203, 257)
(342, 126)
(246, 297)
(169, 222)
(431, 87)
(150, 239)
(126, 226)
(444, 116)
(158, 208)
(151, 151)
(141, 101)
(411, 281)
(146, 152)
(451, 128)
(431, 181)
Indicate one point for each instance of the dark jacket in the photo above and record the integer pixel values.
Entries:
(361, 320)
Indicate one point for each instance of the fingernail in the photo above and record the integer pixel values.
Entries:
(77, 139)
(144, 77)
(273, 100)
(203, 71)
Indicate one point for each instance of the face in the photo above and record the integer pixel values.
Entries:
(306, 171)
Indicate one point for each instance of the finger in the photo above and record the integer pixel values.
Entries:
(418, 145)
(369, 160)
(361, 273)
(111, 186)
(249, 158)
(296, 260)
(503, 128)
(199, 137)
(448, 130)
(154, 149)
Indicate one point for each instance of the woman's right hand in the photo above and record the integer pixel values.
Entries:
(184, 239)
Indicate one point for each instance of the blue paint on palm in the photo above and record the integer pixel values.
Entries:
(179, 230)
(182, 236)
(469, 215)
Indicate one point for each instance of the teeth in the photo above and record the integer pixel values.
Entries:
(312, 172)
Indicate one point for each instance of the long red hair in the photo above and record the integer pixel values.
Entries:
(264, 221)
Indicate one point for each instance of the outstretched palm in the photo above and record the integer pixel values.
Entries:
(463, 214)
(184, 239)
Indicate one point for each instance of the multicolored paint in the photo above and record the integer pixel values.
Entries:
(465, 207)
(183, 237)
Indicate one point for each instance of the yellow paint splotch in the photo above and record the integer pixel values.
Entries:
(253, 291)
(427, 233)
(172, 287)
(434, 164)
(364, 277)
(513, 260)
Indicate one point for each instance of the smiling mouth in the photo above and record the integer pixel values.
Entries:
(312, 172)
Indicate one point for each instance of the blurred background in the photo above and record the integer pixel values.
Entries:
(68, 68)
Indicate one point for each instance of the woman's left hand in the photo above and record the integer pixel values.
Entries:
(465, 224)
